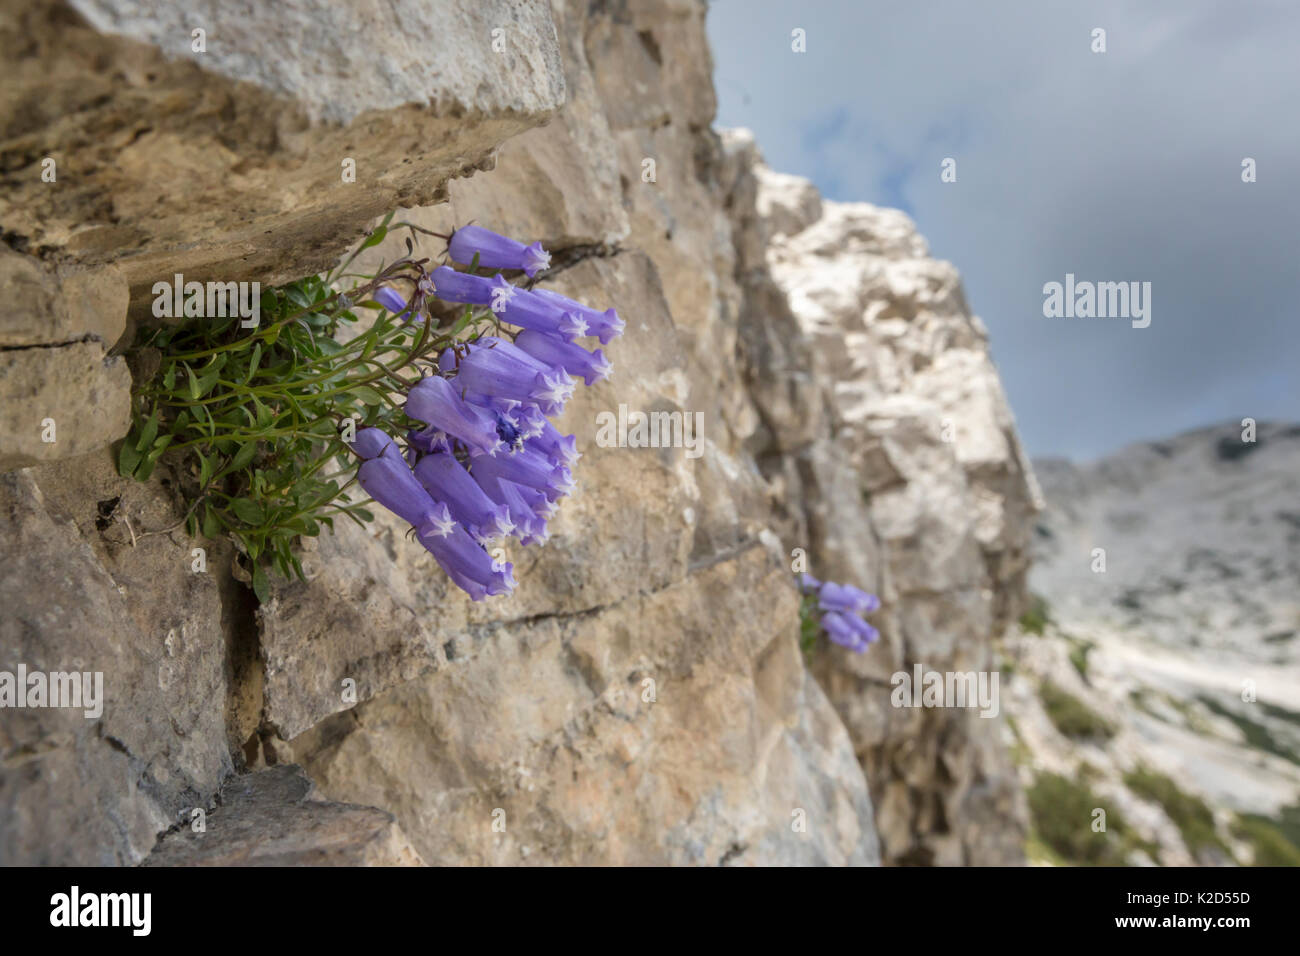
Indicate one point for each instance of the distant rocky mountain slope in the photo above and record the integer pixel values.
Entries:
(1175, 671)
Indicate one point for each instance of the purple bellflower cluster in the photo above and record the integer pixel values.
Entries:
(488, 463)
(841, 607)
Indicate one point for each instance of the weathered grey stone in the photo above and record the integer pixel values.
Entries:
(97, 791)
(84, 394)
(227, 164)
(276, 817)
(45, 305)
(55, 327)
(436, 54)
(675, 727)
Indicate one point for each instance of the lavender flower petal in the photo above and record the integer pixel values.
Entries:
(591, 367)
(846, 598)
(530, 469)
(500, 372)
(531, 311)
(447, 481)
(606, 325)
(468, 565)
(561, 448)
(528, 522)
(496, 251)
(393, 301)
(375, 443)
(436, 401)
(840, 629)
(392, 484)
(453, 286)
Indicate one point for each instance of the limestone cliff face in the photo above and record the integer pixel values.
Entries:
(892, 458)
(641, 698)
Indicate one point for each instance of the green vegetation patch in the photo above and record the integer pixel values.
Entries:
(1193, 818)
(1257, 735)
(1037, 616)
(1061, 825)
(1071, 716)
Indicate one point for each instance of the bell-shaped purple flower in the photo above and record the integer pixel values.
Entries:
(537, 501)
(530, 469)
(531, 421)
(557, 447)
(846, 598)
(468, 565)
(606, 325)
(530, 311)
(392, 484)
(515, 420)
(495, 251)
(436, 401)
(449, 360)
(591, 367)
(428, 441)
(840, 606)
(809, 584)
(510, 373)
(527, 514)
(375, 443)
(453, 286)
(393, 301)
(527, 522)
(848, 630)
(447, 481)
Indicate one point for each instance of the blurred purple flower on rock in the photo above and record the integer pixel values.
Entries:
(841, 607)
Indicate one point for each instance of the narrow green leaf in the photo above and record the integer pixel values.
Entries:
(366, 395)
(242, 457)
(128, 458)
(148, 433)
(261, 586)
(249, 512)
(212, 524)
(375, 238)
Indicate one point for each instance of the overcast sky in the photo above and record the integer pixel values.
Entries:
(1123, 165)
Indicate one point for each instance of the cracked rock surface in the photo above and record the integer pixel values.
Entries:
(275, 817)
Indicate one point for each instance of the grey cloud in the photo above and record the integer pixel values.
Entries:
(1115, 166)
